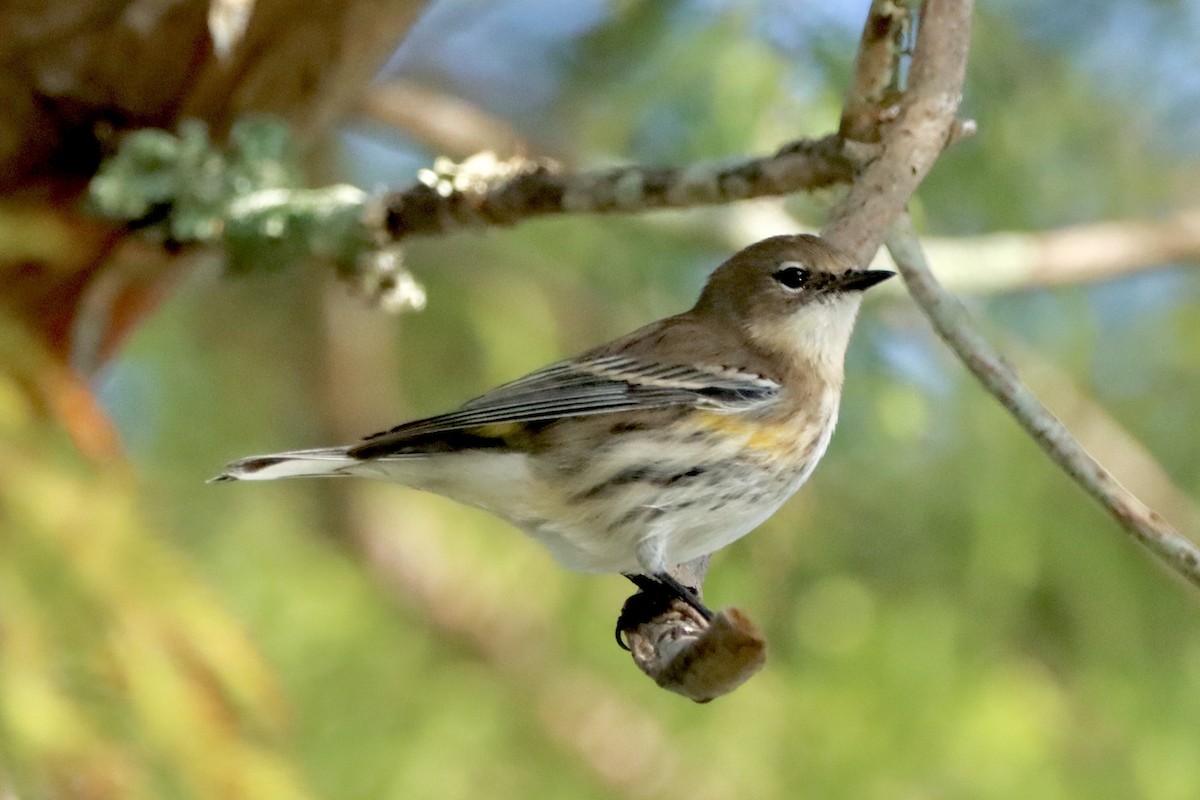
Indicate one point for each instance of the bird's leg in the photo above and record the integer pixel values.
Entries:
(654, 596)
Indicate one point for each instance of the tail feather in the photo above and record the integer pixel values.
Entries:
(320, 463)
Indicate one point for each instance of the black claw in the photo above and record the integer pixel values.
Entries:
(643, 606)
(687, 594)
(654, 596)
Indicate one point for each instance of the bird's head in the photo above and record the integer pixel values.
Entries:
(795, 296)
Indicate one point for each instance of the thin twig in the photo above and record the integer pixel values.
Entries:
(872, 96)
(950, 320)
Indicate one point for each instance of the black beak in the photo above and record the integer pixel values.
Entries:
(858, 280)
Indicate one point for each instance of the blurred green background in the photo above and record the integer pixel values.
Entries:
(947, 615)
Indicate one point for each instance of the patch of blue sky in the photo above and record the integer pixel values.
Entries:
(1141, 53)
(910, 355)
(378, 160)
(504, 56)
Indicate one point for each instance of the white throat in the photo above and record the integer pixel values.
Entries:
(819, 332)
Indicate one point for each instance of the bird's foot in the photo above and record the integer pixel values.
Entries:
(654, 596)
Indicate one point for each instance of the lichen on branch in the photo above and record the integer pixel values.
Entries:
(247, 199)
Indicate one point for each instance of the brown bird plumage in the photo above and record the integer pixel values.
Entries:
(653, 449)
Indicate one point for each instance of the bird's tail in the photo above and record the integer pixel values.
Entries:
(320, 463)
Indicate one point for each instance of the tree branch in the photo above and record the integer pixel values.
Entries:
(1006, 261)
(487, 192)
(1075, 254)
(950, 321)
(873, 93)
(924, 125)
(444, 123)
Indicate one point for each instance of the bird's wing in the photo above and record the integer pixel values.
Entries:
(581, 387)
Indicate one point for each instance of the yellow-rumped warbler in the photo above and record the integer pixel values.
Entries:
(656, 448)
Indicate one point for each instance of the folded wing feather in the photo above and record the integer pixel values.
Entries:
(597, 385)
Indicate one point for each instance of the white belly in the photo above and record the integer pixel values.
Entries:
(591, 520)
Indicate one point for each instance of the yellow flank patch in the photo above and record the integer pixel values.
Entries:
(500, 430)
(775, 438)
(515, 435)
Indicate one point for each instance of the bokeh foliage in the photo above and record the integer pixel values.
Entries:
(121, 674)
(948, 616)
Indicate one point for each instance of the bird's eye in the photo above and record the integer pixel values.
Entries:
(792, 276)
